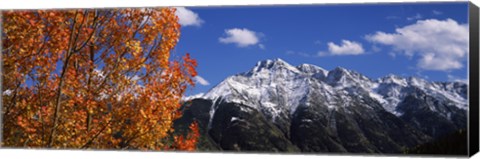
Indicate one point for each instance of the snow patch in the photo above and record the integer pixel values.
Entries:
(195, 96)
(234, 119)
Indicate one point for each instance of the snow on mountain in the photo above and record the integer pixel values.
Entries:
(342, 78)
(394, 79)
(277, 88)
(187, 98)
(395, 88)
(313, 70)
(272, 86)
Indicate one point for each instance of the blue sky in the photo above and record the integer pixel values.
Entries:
(429, 40)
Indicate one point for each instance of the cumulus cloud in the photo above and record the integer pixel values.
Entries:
(442, 45)
(240, 37)
(187, 17)
(345, 48)
(200, 80)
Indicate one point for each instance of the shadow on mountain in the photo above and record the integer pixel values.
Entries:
(451, 144)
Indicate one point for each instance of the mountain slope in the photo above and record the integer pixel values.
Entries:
(310, 109)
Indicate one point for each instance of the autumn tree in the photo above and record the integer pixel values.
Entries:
(90, 78)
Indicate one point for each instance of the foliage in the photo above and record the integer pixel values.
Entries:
(100, 79)
(189, 142)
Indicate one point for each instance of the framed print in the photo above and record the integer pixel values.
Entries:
(396, 79)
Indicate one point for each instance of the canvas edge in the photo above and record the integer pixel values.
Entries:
(473, 121)
(1, 80)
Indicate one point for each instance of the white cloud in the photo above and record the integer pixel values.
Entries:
(200, 80)
(436, 12)
(415, 17)
(7, 92)
(135, 78)
(303, 54)
(240, 37)
(392, 17)
(99, 73)
(441, 44)
(261, 46)
(376, 49)
(187, 17)
(345, 48)
(322, 53)
(457, 79)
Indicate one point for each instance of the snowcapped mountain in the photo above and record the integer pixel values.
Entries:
(334, 111)
(274, 86)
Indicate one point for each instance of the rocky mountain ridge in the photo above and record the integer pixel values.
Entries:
(279, 107)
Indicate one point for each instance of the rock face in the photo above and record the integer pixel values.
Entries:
(279, 107)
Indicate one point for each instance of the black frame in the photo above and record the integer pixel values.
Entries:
(473, 133)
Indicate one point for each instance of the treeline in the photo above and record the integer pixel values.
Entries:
(451, 144)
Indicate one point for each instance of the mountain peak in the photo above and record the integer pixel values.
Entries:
(187, 98)
(272, 61)
(279, 60)
(340, 69)
(345, 78)
(270, 64)
(394, 79)
(275, 87)
(309, 67)
(417, 81)
(338, 72)
(312, 70)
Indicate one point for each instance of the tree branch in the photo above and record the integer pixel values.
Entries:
(94, 25)
(60, 85)
(89, 142)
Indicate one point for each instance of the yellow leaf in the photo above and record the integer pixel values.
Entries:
(143, 113)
